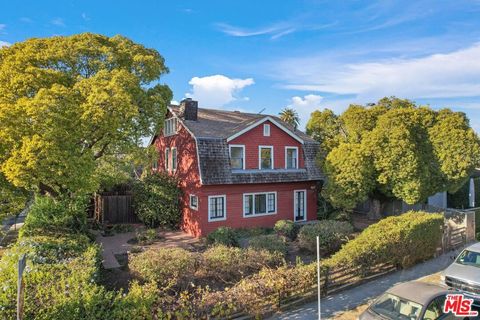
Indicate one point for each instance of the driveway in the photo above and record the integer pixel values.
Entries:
(335, 304)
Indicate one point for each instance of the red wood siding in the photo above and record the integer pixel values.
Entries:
(234, 206)
(278, 138)
(187, 171)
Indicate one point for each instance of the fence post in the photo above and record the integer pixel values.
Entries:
(20, 287)
(318, 279)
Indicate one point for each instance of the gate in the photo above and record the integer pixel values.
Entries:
(115, 209)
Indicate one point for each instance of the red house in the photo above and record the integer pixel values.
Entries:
(237, 169)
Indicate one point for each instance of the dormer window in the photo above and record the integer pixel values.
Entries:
(266, 130)
(237, 157)
(170, 127)
(265, 155)
(291, 157)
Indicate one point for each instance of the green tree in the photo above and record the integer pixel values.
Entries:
(70, 106)
(393, 150)
(290, 116)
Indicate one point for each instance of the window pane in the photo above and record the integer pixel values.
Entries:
(217, 208)
(260, 203)
(248, 199)
(271, 202)
(174, 159)
(167, 158)
(291, 158)
(266, 154)
(236, 157)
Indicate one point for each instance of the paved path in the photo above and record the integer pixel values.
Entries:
(349, 299)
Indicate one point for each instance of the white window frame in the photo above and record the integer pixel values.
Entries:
(170, 126)
(190, 202)
(295, 205)
(260, 157)
(167, 159)
(266, 130)
(253, 214)
(224, 208)
(230, 153)
(174, 163)
(286, 157)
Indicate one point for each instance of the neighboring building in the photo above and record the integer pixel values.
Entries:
(237, 169)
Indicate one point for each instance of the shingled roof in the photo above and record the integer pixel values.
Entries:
(211, 130)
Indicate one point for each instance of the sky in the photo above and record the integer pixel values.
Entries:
(268, 55)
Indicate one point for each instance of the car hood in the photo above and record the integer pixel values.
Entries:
(468, 274)
(368, 315)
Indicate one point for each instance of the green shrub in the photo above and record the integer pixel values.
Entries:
(286, 228)
(400, 240)
(146, 236)
(223, 235)
(231, 264)
(138, 304)
(271, 243)
(242, 233)
(332, 234)
(53, 215)
(157, 200)
(169, 267)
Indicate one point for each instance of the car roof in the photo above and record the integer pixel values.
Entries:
(419, 292)
(474, 247)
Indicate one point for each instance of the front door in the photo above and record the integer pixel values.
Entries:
(300, 205)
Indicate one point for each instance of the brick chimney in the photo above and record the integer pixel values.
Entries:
(189, 109)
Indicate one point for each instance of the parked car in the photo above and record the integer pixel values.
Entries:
(464, 273)
(410, 301)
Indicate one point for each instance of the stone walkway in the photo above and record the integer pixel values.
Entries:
(349, 299)
(118, 244)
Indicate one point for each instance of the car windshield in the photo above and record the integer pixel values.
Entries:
(396, 308)
(469, 258)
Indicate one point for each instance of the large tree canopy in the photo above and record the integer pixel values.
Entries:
(393, 149)
(71, 105)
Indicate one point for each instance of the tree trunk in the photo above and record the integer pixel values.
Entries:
(376, 209)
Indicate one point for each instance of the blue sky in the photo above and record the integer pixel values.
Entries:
(250, 55)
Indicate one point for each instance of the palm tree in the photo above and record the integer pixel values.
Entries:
(290, 116)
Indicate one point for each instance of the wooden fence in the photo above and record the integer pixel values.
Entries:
(114, 209)
(338, 279)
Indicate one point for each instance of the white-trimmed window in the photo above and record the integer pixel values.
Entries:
(237, 156)
(174, 159)
(291, 157)
(265, 157)
(217, 208)
(194, 202)
(170, 127)
(167, 159)
(257, 204)
(300, 205)
(266, 130)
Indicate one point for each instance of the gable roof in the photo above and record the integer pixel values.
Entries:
(212, 123)
(214, 128)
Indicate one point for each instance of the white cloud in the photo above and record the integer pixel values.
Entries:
(58, 22)
(275, 30)
(4, 44)
(453, 74)
(305, 106)
(216, 90)
(85, 17)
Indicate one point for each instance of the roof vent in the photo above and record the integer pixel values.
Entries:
(189, 109)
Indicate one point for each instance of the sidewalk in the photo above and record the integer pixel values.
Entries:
(356, 296)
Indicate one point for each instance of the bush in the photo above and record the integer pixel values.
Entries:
(286, 228)
(332, 234)
(231, 264)
(53, 215)
(146, 236)
(223, 235)
(169, 267)
(399, 240)
(271, 243)
(156, 199)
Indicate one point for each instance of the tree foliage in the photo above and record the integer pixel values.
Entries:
(68, 105)
(393, 149)
(290, 116)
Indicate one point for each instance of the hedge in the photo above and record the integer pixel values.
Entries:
(399, 240)
(332, 234)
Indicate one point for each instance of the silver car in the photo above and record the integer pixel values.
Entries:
(410, 301)
(464, 274)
